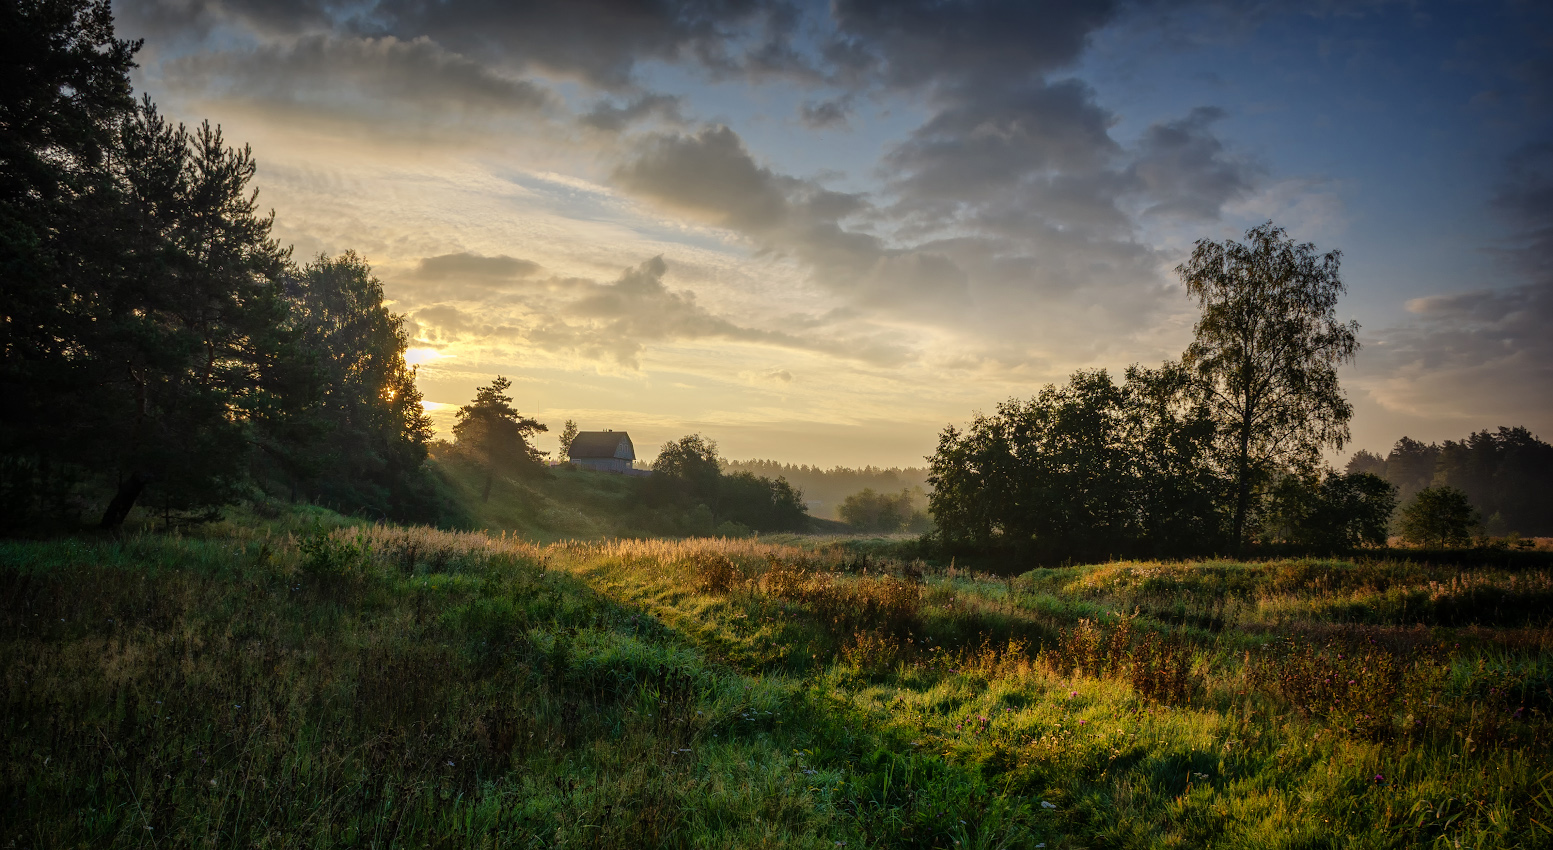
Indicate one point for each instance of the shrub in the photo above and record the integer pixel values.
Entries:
(714, 572)
(1158, 668)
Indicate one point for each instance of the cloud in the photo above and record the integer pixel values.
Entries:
(331, 72)
(911, 43)
(709, 175)
(1186, 171)
(473, 267)
(611, 322)
(609, 117)
(825, 114)
(1489, 351)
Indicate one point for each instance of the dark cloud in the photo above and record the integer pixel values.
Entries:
(711, 175)
(614, 118)
(918, 42)
(989, 142)
(825, 114)
(1187, 171)
(313, 69)
(600, 41)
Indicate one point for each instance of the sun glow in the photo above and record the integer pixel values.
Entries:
(421, 356)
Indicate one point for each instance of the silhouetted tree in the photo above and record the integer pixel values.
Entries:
(1085, 470)
(1506, 473)
(568, 434)
(1266, 354)
(760, 503)
(346, 424)
(687, 470)
(1441, 516)
(1337, 511)
(491, 433)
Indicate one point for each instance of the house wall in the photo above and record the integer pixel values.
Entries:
(603, 464)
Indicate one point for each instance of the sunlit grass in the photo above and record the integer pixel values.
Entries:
(309, 681)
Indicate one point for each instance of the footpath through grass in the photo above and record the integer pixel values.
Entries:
(376, 686)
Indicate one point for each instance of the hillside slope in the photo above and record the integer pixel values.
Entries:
(576, 504)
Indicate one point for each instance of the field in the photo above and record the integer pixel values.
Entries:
(311, 682)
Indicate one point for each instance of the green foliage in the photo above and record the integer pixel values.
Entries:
(1086, 470)
(687, 474)
(1266, 354)
(568, 434)
(1439, 517)
(1337, 512)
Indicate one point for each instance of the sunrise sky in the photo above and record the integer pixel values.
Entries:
(820, 232)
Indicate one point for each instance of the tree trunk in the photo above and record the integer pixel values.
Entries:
(118, 509)
(485, 495)
(1242, 488)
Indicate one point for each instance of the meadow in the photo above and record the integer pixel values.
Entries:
(311, 681)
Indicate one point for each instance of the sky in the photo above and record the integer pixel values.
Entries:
(821, 232)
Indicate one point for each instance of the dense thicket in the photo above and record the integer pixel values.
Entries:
(688, 476)
(1087, 470)
(158, 348)
(1506, 474)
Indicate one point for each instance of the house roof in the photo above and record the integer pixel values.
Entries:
(602, 444)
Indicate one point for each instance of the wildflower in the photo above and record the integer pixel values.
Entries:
(1379, 779)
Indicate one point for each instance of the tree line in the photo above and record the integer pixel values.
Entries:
(826, 489)
(1506, 475)
(158, 347)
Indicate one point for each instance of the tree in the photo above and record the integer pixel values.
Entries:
(1086, 470)
(1439, 515)
(64, 94)
(568, 434)
(687, 471)
(1337, 512)
(491, 433)
(868, 510)
(181, 322)
(761, 503)
(1266, 354)
(345, 421)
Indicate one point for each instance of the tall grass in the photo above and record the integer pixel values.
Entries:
(334, 684)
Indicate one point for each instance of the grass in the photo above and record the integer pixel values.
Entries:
(308, 681)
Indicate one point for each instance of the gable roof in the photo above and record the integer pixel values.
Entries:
(602, 444)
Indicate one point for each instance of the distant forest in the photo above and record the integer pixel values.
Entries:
(1507, 475)
(825, 489)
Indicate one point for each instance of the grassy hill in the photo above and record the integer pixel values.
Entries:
(312, 681)
(572, 504)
